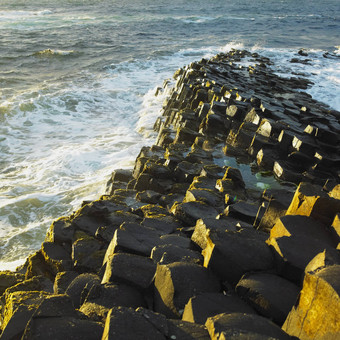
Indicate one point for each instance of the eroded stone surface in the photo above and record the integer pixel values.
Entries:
(296, 240)
(200, 307)
(232, 254)
(270, 295)
(177, 282)
(236, 325)
(316, 313)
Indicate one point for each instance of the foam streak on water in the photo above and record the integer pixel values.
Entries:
(77, 84)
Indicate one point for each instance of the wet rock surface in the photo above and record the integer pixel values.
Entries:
(227, 228)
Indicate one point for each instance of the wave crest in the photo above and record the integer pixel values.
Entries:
(50, 53)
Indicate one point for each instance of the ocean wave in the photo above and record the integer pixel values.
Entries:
(285, 16)
(50, 53)
(195, 19)
(12, 265)
(238, 18)
(4, 15)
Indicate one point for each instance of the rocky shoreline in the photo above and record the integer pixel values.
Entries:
(227, 228)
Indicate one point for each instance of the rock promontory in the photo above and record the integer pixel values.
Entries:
(228, 227)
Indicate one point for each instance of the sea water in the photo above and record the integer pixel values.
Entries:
(77, 84)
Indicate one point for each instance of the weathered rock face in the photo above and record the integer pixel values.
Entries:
(270, 295)
(184, 234)
(110, 295)
(8, 279)
(296, 240)
(328, 257)
(232, 254)
(176, 283)
(316, 313)
(200, 307)
(56, 318)
(16, 313)
(311, 200)
(242, 325)
(131, 269)
(78, 285)
(126, 323)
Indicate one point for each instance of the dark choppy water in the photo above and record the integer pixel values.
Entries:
(77, 80)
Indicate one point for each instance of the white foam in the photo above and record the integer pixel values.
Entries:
(23, 14)
(197, 19)
(11, 265)
(51, 52)
(238, 18)
(232, 45)
(19, 19)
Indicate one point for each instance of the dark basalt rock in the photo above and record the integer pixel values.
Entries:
(63, 280)
(277, 203)
(111, 295)
(134, 239)
(121, 175)
(270, 295)
(199, 308)
(311, 200)
(235, 176)
(8, 279)
(177, 282)
(203, 182)
(207, 196)
(295, 241)
(243, 326)
(36, 283)
(171, 253)
(130, 269)
(118, 180)
(190, 212)
(60, 328)
(148, 196)
(179, 329)
(126, 323)
(97, 214)
(205, 226)
(106, 231)
(177, 239)
(87, 254)
(17, 311)
(80, 286)
(245, 211)
(186, 171)
(56, 257)
(162, 224)
(37, 266)
(61, 231)
(212, 171)
(231, 254)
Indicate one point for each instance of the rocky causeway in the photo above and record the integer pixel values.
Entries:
(228, 227)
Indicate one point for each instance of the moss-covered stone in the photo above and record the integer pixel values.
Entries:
(18, 309)
(8, 279)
